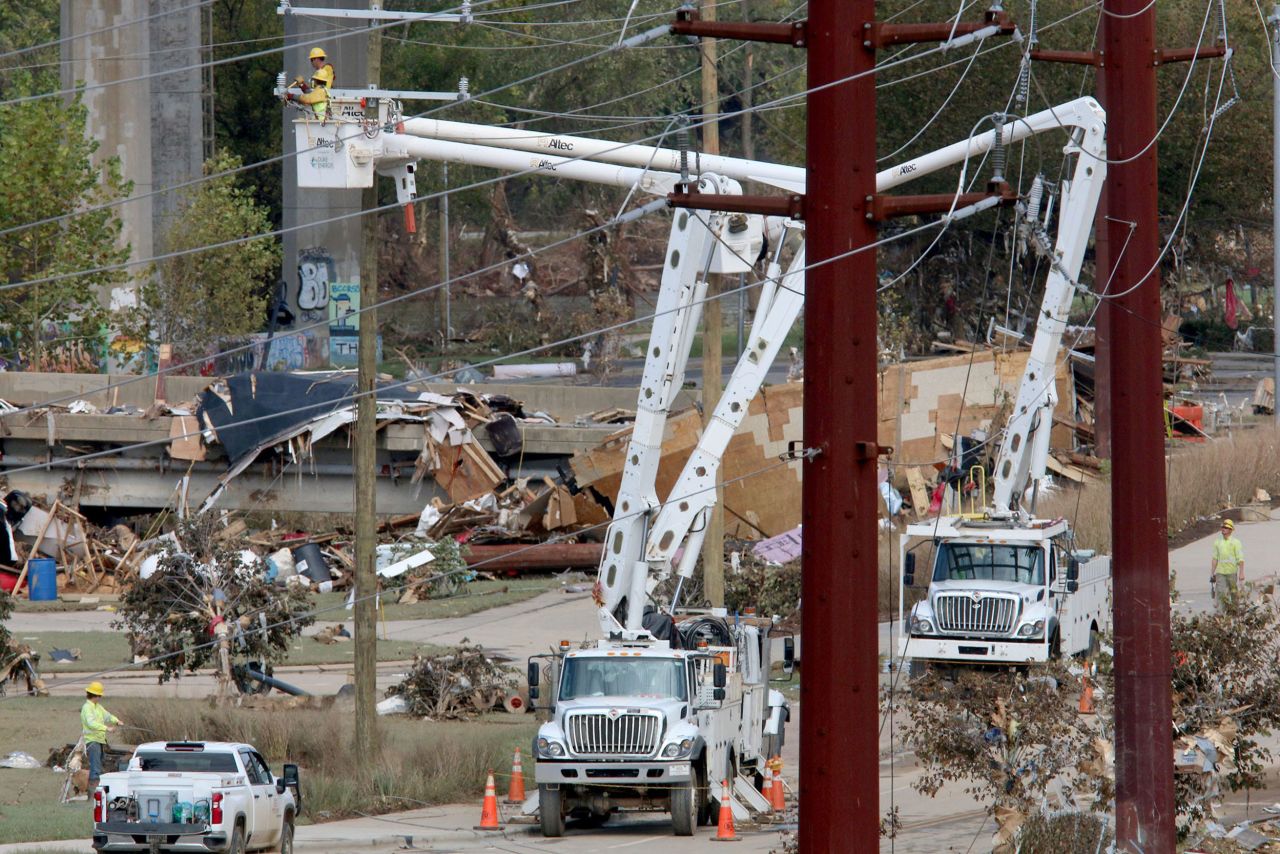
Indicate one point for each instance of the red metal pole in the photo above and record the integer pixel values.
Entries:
(1140, 563)
(839, 764)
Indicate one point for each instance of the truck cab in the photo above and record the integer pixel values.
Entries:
(654, 725)
(1001, 593)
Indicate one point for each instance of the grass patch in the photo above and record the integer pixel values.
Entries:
(478, 596)
(420, 762)
(105, 650)
(1202, 480)
(29, 808)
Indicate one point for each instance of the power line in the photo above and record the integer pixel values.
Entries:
(88, 33)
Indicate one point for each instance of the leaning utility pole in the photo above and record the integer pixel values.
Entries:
(366, 456)
(1140, 563)
(712, 329)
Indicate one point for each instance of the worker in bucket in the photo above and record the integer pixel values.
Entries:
(95, 723)
(1226, 565)
(316, 94)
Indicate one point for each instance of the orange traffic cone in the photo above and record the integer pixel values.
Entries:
(778, 794)
(1086, 694)
(489, 811)
(725, 831)
(515, 791)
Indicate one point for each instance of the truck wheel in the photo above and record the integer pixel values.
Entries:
(550, 811)
(703, 797)
(286, 837)
(683, 809)
(237, 840)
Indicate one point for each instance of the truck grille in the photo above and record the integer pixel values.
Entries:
(623, 734)
(990, 614)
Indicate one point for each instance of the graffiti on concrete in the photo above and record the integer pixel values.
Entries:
(315, 273)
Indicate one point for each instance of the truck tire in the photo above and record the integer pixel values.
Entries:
(237, 840)
(684, 809)
(702, 797)
(550, 811)
(286, 837)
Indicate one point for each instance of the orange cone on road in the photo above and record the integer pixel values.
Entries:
(725, 831)
(778, 793)
(515, 791)
(489, 810)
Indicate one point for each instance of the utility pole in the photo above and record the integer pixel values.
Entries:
(748, 94)
(1274, 22)
(839, 743)
(712, 328)
(366, 456)
(1140, 565)
(444, 259)
(839, 737)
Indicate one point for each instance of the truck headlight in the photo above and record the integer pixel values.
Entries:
(677, 749)
(550, 749)
(921, 626)
(1031, 630)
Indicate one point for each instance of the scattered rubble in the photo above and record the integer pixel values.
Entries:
(457, 685)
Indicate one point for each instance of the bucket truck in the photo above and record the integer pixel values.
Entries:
(1003, 586)
(668, 703)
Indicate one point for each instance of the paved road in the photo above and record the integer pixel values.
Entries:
(515, 631)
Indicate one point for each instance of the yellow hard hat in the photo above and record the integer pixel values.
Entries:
(95, 688)
(317, 53)
(324, 76)
(1228, 524)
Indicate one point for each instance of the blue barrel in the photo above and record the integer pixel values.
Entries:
(42, 579)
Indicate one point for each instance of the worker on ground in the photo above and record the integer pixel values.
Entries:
(316, 94)
(1227, 565)
(95, 723)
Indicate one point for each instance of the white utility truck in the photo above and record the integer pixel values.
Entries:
(1003, 586)
(196, 796)
(669, 703)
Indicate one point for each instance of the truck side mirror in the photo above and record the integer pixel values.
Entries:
(718, 694)
(289, 780)
(1073, 569)
(532, 676)
(788, 655)
(1073, 586)
(720, 678)
(909, 569)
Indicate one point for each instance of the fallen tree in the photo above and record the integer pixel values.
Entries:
(209, 604)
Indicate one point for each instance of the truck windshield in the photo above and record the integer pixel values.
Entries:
(223, 763)
(623, 677)
(989, 562)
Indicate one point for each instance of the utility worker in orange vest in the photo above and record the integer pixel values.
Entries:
(1227, 565)
(316, 95)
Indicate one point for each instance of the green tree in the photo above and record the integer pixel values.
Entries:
(48, 161)
(198, 299)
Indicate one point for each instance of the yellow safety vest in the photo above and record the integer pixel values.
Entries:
(1229, 554)
(94, 721)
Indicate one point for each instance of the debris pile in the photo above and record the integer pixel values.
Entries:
(457, 685)
(208, 602)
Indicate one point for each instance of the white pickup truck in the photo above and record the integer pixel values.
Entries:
(196, 796)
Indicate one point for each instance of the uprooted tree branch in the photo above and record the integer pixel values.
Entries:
(209, 603)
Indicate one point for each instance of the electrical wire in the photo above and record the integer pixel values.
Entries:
(485, 363)
(89, 33)
(430, 112)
